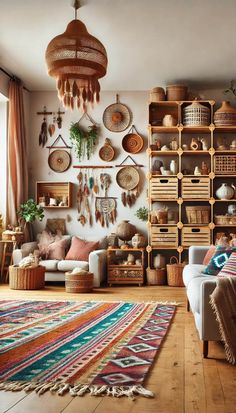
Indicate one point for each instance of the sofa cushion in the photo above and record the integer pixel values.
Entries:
(229, 269)
(192, 271)
(209, 254)
(50, 265)
(193, 292)
(69, 265)
(80, 249)
(218, 260)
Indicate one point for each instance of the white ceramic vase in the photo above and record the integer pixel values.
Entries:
(225, 191)
(159, 261)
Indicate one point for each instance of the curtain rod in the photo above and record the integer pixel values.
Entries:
(12, 77)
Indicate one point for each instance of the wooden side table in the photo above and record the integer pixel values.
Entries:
(120, 272)
(29, 278)
(7, 250)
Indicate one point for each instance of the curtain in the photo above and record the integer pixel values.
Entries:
(17, 153)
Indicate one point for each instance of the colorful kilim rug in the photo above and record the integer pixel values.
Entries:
(96, 347)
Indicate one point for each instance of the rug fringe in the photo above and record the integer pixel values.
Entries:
(78, 389)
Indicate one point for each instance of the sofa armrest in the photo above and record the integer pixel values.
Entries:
(210, 329)
(196, 254)
(97, 265)
(16, 256)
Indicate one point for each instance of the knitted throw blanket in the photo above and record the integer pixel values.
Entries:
(223, 302)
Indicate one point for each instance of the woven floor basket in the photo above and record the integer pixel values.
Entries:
(79, 283)
(174, 273)
(30, 278)
(156, 276)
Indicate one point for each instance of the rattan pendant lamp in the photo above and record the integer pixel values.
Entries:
(76, 60)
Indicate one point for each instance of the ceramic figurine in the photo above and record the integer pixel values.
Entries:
(197, 170)
(196, 144)
(173, 167)
(165, 148)
(174, 144)
(204, 144)
(205, 170)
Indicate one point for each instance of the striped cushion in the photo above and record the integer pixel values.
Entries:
(229, 268)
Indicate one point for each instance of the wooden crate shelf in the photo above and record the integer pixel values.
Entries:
(57, 190)
(183, 189)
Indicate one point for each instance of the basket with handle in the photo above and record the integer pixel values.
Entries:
(174, 273)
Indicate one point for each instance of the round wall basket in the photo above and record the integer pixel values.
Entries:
(132, 142)
(107, 152)
(59, 160)
(117, 117)
(127, 178)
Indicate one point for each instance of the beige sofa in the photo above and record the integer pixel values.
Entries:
(55, 269)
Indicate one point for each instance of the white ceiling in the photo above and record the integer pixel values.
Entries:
(148, 42)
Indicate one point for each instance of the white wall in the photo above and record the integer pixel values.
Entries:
(38, 157)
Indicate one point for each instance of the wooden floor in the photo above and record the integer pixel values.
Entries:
(182, 380)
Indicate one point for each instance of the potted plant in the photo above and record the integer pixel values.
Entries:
(28, 213)
(83, 139)
(142, 213)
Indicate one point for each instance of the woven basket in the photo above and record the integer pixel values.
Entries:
(30, 278)
(174, 273)
(198, 214)
(156, 276)
(79, 283)
(176, 92)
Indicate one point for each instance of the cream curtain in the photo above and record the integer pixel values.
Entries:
(17, 153)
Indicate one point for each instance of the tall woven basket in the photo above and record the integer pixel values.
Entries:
(81, 282)
(174, 273)
(156, 276)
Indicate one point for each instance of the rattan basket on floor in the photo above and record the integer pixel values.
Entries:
(30, 278)
(156, 276)
(174, 273)
(82, 282)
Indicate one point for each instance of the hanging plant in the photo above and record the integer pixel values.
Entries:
(83, 139)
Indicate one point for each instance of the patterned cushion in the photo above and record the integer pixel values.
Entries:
(218, 260)
(209, 254)
(229, 268)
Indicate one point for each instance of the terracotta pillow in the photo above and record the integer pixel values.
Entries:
(209, 254)
(56, 250)
(80, 249)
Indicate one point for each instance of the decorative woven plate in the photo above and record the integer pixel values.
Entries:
(59, 160)
(117, 117)
(127, 177)
(132, 143)
(107, 152)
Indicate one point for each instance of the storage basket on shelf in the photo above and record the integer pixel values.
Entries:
(198, 214)
(225, 219)
(195, 188)
(157, 94)
(156, 276)
(174, 273)
(196, 115)
(81, 282)
(164, 188)
(196, 236)
(225, 164)
(164, 236)
(176, 92)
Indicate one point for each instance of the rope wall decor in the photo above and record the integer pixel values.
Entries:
(76, 60)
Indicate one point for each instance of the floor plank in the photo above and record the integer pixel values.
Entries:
(182, 380)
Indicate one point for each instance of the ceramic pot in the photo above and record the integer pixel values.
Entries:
(196, 114)
(225, 191)
(125, 231)
(232, 209)
(225, 115)
(159, 261)
(138, 240)
(169, 120)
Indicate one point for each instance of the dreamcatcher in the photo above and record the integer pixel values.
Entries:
(105, 211)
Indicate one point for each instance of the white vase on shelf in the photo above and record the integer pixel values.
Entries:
(225, 191)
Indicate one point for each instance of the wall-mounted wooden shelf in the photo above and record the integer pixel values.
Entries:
(61, 191)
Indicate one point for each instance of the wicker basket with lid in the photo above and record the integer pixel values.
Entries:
(81, 282)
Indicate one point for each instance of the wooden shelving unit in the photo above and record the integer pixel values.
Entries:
(181, 190)
(56, 190)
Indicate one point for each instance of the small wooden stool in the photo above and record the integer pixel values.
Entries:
(29, 278)
(82, 282)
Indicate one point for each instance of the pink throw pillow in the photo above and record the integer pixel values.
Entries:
(209, 254)
(80, 249)
(56, 250)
